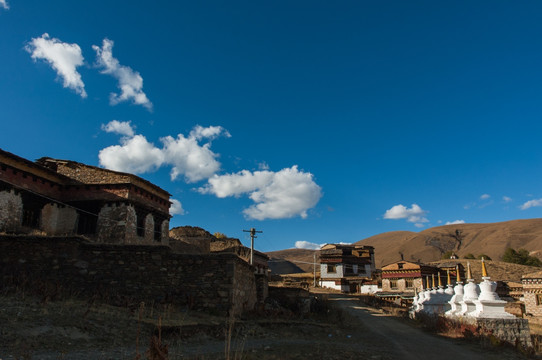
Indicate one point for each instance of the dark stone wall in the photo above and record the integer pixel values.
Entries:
(219, 283)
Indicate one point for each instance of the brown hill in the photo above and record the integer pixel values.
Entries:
(301, 258)
(497, 270)
(429, 245)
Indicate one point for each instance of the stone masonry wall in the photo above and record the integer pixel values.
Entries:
(165, 232)
(149, 229)
(117, 224)
(219, 283)
(531, 304)
(11, 211)
(58, 220)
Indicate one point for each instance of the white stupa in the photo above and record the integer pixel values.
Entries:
(438, 301)
(457, 297)
(489, 305)
(470, 294)
(449, 289)
(419, 298)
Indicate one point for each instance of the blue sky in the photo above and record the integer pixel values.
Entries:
(313, 121)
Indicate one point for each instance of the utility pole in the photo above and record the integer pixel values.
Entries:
(252, 232)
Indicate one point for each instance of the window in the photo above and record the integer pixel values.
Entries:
(393, 284)
(409, 283)
(331, 268)
(400, 265)
(538, 299)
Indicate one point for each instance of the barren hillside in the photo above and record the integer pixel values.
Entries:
(292, 261)
(429, 245)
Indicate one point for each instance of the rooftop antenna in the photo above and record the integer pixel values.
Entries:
(252, 232)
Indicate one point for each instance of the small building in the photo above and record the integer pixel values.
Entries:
(401, 279)
(346, 267)
(532, 293)
(63, 197)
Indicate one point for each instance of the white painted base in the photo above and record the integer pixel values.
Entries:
(486, 309)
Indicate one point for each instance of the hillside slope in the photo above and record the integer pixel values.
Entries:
(292, 261)
(429, 245)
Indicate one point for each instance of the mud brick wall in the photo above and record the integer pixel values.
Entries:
(218, 283)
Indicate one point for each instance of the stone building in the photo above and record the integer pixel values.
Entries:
(346, 267)
(532, 293)
(62, 197)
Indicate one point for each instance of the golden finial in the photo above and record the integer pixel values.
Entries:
(427, 282)
(469, 273)
(457, 272)
(433, 277)
(449, 280)
(439, 280)
(484, 270)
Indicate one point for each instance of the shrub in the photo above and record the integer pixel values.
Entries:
(521, 257)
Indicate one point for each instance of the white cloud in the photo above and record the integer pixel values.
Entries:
(134, 155)
(186, 156)
(4, 4)
(531, 203)
(130, 82)
(211, 132)
(176, 207)
(414, 215)
(306, 245)
(276, 195)
(196, 162)
(485, 197)
(119, 127)
(455, 222)
(64, 58)
(506, 199)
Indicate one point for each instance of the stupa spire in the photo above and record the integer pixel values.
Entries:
(449, 280)
(457, 273)
(469, 273)
(484, 270)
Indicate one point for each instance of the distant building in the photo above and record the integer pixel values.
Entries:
(532, 293)
(62, 197)
(346, 267)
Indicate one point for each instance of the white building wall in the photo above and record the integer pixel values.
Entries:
(331, 285)
(369, 289)
(339, 271)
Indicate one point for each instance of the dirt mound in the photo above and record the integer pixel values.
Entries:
(221, 244)
(190, 239)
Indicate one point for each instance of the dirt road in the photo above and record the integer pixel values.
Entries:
(342, 329)
(402, 341)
